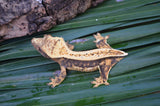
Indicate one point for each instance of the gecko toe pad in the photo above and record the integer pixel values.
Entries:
(99, 81)
(54, 82)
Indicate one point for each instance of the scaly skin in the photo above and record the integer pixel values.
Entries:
(68, 59)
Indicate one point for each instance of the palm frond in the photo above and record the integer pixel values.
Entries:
(133, 26)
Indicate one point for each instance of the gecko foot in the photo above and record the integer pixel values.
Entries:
(99, 81)
(98, 37)
(54, 82)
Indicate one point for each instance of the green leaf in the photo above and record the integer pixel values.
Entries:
(133, 26)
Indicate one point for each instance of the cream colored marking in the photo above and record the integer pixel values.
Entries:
(91, 54)
(55, 47)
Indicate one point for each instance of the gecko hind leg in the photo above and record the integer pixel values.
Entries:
(104, 69)
(101, 41)
(102, 79)
(58, 79)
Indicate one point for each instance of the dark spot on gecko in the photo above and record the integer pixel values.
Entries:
(20, 29)
(57, 73)
(58, 80)
(63, 74)
(113, 61)
(22, 23)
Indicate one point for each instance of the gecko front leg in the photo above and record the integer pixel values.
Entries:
(58, 79)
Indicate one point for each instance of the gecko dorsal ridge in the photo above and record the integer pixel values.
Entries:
(55, 47)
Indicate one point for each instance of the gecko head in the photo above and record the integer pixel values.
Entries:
(48, 46)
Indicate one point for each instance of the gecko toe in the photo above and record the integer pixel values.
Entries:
(49, 83)
(95, 85)
(99, 81)
(93, 82)
(52, 86)
(106, 83)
